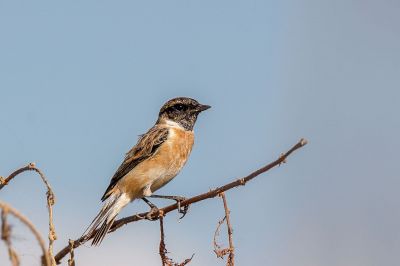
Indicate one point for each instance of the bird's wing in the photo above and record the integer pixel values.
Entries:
(146, 146)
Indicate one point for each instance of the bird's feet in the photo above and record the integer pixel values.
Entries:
(182, 210)
(154, 212)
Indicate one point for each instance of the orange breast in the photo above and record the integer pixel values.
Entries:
(173, 155)
(162, 167)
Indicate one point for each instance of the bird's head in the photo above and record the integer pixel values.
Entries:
(181, 110)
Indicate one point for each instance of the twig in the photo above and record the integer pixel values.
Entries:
(231, 260)
(217, 248)
(211, 194)
(50, 202)
(71, 260)
(5, 181)
(162, 248)
(165, 260)
(8, 209)
(6, 237)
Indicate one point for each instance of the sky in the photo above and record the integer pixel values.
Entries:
(80, 80)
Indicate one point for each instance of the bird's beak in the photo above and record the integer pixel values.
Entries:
(202, 107)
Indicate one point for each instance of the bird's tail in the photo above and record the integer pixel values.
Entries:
(105, 218)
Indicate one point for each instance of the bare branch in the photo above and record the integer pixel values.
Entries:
(6, 237)
(165, 260)
(5, 181)
(50, 201)
(71, 260)
(211, 194)
(231, 261)
(217, 248)
(8, 209)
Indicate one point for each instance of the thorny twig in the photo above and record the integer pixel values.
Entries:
(50, 202)
(231, 256)
(217, 248)
(6, 237)
(8, 209)
(165, 260)
(211, 194)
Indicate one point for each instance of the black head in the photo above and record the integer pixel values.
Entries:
(182, 110)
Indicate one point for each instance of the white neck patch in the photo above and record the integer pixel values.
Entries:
(173, 124)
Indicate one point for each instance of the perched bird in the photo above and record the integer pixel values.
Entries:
(154, 161)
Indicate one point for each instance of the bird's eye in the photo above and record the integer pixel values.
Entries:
(180, 107)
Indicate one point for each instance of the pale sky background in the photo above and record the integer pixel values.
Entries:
(80, 80)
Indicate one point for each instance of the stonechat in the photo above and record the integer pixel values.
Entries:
(154, 161)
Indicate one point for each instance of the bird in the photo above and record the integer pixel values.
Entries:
(154, 161)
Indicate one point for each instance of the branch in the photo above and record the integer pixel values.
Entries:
(50, 201)
(211, 194)
(71, 261)
(217, 248)
(231, 260)
(5, 181)
(163, 250)
(8, 209)
(6, 237)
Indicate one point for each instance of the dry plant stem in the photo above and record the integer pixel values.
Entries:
(162, 248)
(231, 261)
(71, 260)
(5, 181)
(165, 260)
(211, 194)
(231, 257)
(50, 202)
(217, 248)
(6, 237)
(8, 209)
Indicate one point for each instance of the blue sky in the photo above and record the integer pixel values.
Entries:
(80, 80)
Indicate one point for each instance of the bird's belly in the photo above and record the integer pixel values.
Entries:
(163, 179)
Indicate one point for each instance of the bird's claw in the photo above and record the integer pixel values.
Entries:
(182, 210)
